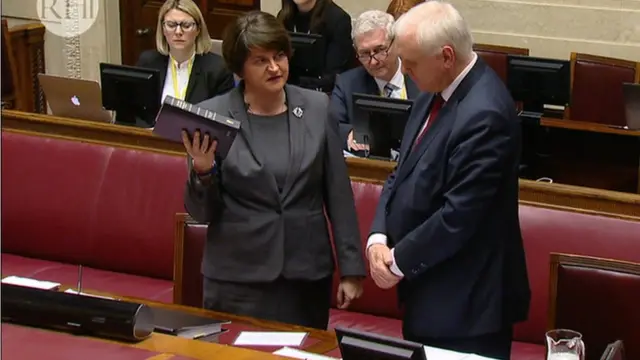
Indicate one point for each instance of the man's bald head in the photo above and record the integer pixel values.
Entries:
(434, 24)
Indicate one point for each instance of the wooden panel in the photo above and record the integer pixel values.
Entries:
(219, 13)
(27, 42)
(611, 202)
(11, 85)
(138, 23)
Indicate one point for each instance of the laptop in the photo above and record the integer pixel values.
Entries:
(631, 95)
(74, 98)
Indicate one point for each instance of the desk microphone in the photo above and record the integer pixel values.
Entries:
(86, 315)
(79, 279)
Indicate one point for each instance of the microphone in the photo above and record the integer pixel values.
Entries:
(86, 315)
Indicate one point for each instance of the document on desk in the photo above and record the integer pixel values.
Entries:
(443, 354)
(71, 291)
(32, 283)
(270, 338)
(299, 354)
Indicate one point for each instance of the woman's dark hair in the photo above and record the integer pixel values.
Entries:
(253, 30)
(290, 10)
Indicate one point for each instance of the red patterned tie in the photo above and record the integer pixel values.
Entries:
(438, 101)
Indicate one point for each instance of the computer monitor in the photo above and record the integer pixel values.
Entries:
(537, 82)
(357, 345)
(379, 122)
(308, 56)
(132, 92)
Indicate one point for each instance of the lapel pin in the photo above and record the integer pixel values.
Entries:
(298, 112)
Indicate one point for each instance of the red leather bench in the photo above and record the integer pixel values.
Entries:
(545, 230)
(111, 209)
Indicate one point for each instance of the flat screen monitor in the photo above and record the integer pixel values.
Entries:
(132, 92)
(379, 122)
(308, 56)
(357, 345)
(537, 82)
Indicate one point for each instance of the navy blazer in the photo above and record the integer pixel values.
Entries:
(209, 74)
(356, 80)
(450, 210)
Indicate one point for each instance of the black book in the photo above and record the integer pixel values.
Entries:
(176, 115)
(183, 324)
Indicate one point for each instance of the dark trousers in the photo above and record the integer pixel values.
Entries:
(495, 346)
(296, 302)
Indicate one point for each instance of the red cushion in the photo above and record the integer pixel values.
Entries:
(100, 206)
(92, 279)
(545, 231)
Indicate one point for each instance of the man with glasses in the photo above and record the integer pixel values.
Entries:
(380, 73)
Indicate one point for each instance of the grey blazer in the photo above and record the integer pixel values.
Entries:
(257, 233)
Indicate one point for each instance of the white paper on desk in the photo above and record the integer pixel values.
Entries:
(442, 354)
(299, 354)
(71, 291)
(32, 283)
(270, 338)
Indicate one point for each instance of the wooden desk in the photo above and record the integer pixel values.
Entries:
(588, 154)
(160, 346)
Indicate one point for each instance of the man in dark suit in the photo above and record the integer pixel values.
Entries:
(446, 230)
(380, 73)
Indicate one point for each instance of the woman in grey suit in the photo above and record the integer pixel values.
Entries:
(268, 253)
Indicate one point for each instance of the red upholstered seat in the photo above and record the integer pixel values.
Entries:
(106, 281)
(546, 231)
(599, 298)
(108, 208)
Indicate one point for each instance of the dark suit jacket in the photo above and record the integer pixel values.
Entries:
(450, 210)
(209, 75)
(257, 233)
(356, 80)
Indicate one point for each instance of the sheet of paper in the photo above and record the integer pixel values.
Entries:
(32, 283)
(442, 354)
(270, 338)
(299, 354)
(71, 291)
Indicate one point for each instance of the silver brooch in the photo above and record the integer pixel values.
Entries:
(298, 112)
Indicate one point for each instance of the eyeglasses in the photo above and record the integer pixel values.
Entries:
(184, 25)
(379, 54)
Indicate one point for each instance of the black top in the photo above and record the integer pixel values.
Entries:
(209, 75)
(336, 30)
(272, 138)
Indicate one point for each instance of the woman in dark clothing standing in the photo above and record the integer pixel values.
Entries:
(322, 17)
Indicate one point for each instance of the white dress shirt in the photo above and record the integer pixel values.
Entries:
(379, 238)
(182, 73)
(396, 82)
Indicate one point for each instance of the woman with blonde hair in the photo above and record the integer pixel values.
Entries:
(190, 71)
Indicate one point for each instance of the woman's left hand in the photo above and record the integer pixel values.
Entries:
(350, 288)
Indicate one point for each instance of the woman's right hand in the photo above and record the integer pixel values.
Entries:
(201, 149)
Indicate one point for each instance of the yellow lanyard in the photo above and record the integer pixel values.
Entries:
(403, 93)
(174, 74)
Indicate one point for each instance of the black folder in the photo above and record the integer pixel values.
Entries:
(179, 323)
(176, 115)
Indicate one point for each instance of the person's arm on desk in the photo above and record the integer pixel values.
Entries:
(202, 193)
(340, 208)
